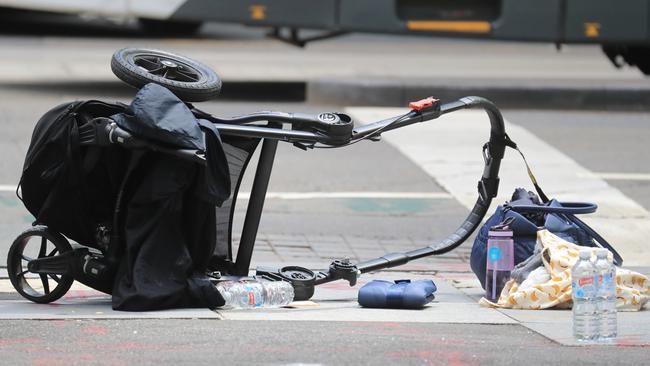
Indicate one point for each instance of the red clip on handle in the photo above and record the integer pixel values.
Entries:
(423, 104)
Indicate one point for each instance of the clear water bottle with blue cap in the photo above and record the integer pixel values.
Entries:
(584, 281)
(500, 259)
(254, 294)
(606, 296)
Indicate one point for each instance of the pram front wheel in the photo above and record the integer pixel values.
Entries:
(190, 80)
(39, 243)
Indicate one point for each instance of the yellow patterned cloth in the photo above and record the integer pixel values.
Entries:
(550, 286)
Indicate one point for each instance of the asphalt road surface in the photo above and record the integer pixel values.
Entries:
(209, 342)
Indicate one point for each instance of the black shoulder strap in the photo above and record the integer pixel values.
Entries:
(600, 241)
(572, 208)
(540, 192)
(569, 210)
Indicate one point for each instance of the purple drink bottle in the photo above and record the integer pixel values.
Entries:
(500, 260)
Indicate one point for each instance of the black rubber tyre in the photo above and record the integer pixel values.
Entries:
(190, 80)
(17, 260)
(642, 59)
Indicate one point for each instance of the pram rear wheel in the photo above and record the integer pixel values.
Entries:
(190, 80)
(38, 242)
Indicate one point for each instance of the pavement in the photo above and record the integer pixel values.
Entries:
(409, 191)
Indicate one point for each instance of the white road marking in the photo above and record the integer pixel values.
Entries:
(323, 195)
(449, 150)
(618, 176)
(7, 188)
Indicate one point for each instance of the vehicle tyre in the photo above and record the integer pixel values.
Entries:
(169, 27)
(632, 55)
(190, 80)
(49, 244)
(641, 56)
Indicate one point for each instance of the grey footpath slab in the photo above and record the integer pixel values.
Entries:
(334, 302)
(556, 325)
(633, 327)
(96, 307)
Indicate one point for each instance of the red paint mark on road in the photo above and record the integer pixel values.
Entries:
(275, 349)
(76, 359)
(340, 285)
(83, 294)
(96, 330)
(161, 348)
(14, 341)
(445, 341)
(448, 358)
(53, 304)
(628, 342)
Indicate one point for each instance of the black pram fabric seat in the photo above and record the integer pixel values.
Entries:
(161, 222)
(169, 216)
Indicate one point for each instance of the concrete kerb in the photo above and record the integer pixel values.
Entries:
(512, 93)
(521, 94)
(233, 90)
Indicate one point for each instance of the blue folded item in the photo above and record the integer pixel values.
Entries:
(401, 294)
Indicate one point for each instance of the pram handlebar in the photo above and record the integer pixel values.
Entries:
(120, 136)
(104, 131)
(487, 188)
(239, 126)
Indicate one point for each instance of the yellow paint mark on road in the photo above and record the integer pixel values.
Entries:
(449, 26)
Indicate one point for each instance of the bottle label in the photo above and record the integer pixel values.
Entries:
(252, 299)
(583, 287)
(495, 254)
(608, 281)
(585, 281)
(500, 255)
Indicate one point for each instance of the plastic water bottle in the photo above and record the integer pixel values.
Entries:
(606, 297)
(277, 293)
(255, 294)
(500, 260)
(583, 284)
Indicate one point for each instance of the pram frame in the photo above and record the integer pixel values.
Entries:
(487, 186)
(248, 126)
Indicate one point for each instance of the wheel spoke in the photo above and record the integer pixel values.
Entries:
(43, 250)
(22, 274)
(55, 277)
(26, 258)
(187, 75)
(150, 64)
(53, 252)
(46, 283)
(157, 71)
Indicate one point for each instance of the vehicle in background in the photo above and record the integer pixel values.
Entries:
(621, 28)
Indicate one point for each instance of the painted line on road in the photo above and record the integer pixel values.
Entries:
(7, 188)
(324, 195)
(329, 195)
(617, 176)
(449, 150)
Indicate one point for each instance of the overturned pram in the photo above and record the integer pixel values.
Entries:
(138, 200)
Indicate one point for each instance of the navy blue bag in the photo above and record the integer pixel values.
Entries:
(530, 215)
(401, 294)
